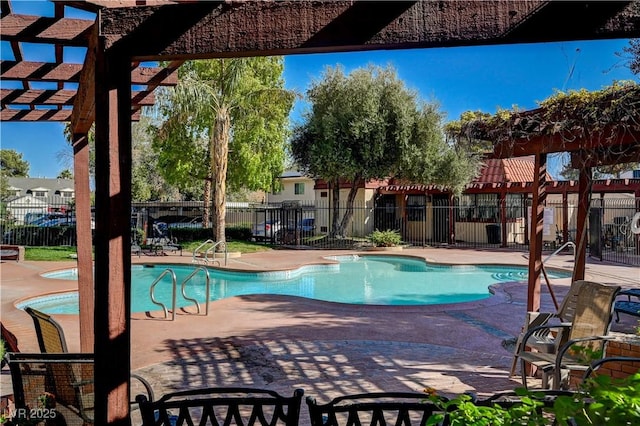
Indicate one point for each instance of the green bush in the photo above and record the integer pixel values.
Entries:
(239, 233)
(388, 238)
(183, 235)
(601, 401)
(137, 235)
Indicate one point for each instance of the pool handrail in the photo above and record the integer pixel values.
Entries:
(207, 288)
(173, 291)
(205, 254)
(195, 252)
(213, 248)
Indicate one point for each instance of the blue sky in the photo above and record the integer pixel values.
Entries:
(467, 78)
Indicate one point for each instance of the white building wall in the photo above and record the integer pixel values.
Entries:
(288, 191)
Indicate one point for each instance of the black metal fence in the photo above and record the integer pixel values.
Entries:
(421, 221)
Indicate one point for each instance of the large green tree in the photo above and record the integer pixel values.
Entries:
(147, 182)
(368, 125)
(225, 124)
(12, 164)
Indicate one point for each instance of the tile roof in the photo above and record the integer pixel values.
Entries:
(521, 169)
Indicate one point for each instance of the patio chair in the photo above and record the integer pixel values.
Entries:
(586, 336)
(222, 406)
(50, 334)
(51, 340)
(545, 339)
(54, 387)
(392, 408)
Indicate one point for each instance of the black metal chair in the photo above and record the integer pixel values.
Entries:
(388, 408)
(222, 406)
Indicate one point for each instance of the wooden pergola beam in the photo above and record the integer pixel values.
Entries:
(568, 142)
(10, 114)
(60, 97)
(84, 105)
(221, 29)
(70, 73)
(40, 29)
(52, 115)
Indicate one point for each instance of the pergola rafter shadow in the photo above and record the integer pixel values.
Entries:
(122, 37)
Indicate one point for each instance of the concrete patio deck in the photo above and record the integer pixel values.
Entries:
(328, 349)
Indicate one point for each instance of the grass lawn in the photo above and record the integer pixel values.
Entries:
(50, 253)
(69, 252)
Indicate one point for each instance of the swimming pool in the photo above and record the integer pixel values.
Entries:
(370, 280)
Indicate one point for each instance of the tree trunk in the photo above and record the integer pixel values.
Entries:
(348, 214)
(335, 198)
(206, 211)
(220, 154)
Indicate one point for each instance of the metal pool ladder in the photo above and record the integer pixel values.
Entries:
(174, 287)
(209, 250)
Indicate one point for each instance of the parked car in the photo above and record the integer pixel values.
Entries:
(266, 230)
(63, 221)
(40, 218)
(196, 222)
(303, 229)
(308, 226)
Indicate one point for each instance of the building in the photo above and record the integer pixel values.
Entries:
(31, 198)
(294, 186)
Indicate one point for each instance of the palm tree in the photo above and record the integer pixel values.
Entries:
(223, 101)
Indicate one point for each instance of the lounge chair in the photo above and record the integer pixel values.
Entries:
(545, 339)
(628, 306)
(586, 335)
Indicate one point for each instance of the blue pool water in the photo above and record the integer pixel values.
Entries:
(369, 280)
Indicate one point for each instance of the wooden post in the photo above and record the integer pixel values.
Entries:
(535, 239)
(584, 201)
(565, 216)
(83, 233)
(452, 221)
(502, 202)
(113, 237)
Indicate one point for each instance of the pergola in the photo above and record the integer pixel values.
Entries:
(126, 33)
(588, 147)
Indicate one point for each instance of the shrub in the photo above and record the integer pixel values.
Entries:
(388, 238)
(602, 401)
(239, 233)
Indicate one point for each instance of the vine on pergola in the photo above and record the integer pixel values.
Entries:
(605, 114)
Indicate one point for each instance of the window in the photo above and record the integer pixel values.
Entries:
(416, 205)
(478, 208)
(636, 174)
(40, 193)
(298, 189)
(465, 207)
(66, 194)
(515, 206)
